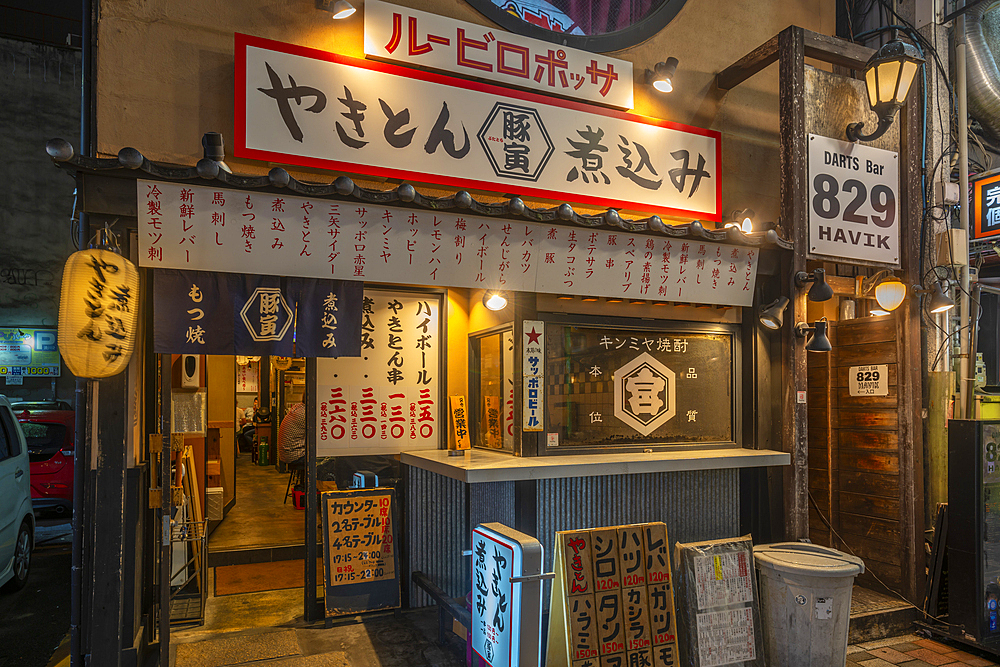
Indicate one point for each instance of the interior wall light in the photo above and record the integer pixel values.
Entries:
(661, 76)
(888, 76)
(939, 301)
(772, 315)
(819, 341)
(494, 300)
(820, 290)
(743, 219)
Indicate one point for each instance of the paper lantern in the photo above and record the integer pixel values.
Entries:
(98, 313)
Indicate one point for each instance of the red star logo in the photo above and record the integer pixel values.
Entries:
(533, 336)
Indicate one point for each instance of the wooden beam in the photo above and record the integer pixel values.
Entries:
(748, 65)
(817, 46)
(836, 51)
(794, 430)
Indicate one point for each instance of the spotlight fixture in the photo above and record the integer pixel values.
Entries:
(939, 301)
(565, 297)
(820, 290)
(342, 9)
(772, 315)
(661, 76)
(888, 76)
(494, 300)
(612, 299)
(741, 219)
(819, 342)
(590, 298)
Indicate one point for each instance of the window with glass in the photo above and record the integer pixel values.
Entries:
(612, 385)
(493, 387)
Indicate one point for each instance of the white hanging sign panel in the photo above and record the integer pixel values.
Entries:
(246, 378)
(853, 201)
(387, 400)
(412, 37)
(212, 229)
(533, 346)
(306, 107)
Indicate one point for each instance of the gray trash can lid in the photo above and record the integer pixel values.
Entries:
(807, 559)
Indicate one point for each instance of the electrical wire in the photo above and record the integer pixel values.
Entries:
(868, 570)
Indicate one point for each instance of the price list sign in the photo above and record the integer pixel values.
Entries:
(612, 599)
(359, 561)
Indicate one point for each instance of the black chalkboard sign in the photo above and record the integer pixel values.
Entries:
(612, 386)
(360, 560)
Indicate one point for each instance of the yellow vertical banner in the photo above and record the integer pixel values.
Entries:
(459, 422)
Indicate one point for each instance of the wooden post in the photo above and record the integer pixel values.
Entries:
(794, 218)
(910, 375)
(310, 399)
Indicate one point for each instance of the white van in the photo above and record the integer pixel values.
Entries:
(17, 523)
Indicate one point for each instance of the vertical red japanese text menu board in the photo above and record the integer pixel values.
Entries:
(360, 563)
(612, 600)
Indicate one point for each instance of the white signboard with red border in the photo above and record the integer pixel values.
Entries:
(302, 106)
(416, 38)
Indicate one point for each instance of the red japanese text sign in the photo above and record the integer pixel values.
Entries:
(317, 109)
(412, 37)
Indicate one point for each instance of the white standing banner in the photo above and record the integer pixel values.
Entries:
(853, 201)
(211, 229)
(413, 37)
(317, 109)
(387, 400)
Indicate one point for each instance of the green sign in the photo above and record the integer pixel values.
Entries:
(28, 352)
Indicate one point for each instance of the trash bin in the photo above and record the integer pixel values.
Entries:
(805, 600)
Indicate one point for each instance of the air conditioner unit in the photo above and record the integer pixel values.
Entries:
(190, 370)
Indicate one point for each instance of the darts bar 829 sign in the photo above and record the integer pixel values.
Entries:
(313, 108)
(853, 201)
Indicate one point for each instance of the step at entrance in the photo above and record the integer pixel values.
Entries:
(877, 615)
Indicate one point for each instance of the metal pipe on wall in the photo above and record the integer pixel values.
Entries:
(961, 92)
(81, 459)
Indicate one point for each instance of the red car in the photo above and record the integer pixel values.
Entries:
(49, 427)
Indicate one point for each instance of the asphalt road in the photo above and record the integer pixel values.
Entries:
(35, 619)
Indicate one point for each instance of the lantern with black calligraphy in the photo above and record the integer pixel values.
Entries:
(98, 310)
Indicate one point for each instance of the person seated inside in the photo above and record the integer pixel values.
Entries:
(292, 436)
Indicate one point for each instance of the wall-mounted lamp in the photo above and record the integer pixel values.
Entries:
(661, 76)
(819, 342)
(820, 290)
(939, 301)
(494, 300)
(772, 315)
(341, 8)
(889, 291)
(742, 218)
(888, 76)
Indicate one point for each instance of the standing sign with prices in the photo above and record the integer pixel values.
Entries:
(507, 596)
(853, 201)
(360, 562)
(388, 399)
(718, 608)
(612, 599)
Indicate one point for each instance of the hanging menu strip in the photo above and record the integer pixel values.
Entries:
(208, 229)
